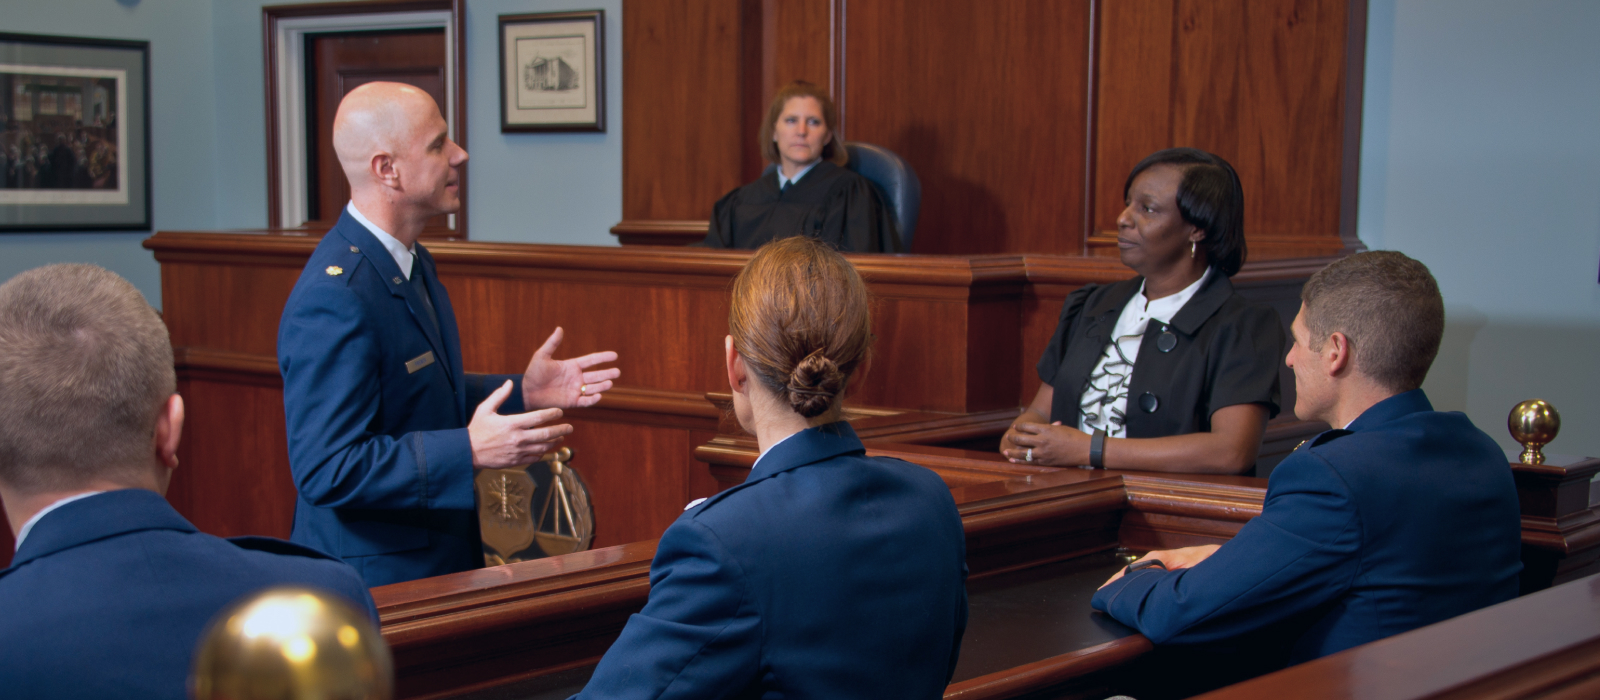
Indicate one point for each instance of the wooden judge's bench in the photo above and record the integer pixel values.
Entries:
(957, 338)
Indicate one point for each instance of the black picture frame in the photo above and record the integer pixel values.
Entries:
(82, 107)
(543, 87)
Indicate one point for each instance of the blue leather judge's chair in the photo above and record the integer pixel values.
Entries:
(895, 180)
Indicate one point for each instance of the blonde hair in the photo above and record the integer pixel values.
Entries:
(86, 366)
(801, 319)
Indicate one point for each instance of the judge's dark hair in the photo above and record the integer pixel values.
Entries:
(1210, 198)
(834, 151)
(1389, 308)
(87, 366)
(801, 321)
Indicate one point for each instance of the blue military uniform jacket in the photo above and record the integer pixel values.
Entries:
(109, 595)
(1406, 518)
(826, 574)
(377, 407)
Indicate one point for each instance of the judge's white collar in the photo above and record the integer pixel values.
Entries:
(786, 181)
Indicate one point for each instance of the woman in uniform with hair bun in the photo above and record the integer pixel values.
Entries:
(827, 573)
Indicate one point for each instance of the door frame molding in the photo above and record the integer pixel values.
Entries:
(284, 39)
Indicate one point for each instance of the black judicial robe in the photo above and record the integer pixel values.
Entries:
(829, 203)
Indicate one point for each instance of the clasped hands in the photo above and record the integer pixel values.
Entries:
(1171, 559)
(1052, 445)
(548, 385)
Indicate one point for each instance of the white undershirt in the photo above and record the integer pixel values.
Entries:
(1104, 404)
(762, 456)
(786, 181)
(401, 254)
(27, 527)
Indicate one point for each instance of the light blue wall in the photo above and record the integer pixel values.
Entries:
(1481, 158)
(182, 133)
(540, 188)
(529, 188)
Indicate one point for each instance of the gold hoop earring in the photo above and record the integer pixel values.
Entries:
(1192, 245)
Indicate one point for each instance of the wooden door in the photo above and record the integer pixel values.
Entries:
(340, 62)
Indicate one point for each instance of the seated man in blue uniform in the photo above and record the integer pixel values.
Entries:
(1401, 517)
(383, 433)
(109, 589)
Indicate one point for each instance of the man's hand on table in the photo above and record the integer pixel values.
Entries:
(1171, 559)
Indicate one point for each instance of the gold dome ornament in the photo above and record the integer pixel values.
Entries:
(1533, 423)
(292, 644)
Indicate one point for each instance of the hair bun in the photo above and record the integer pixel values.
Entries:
(813, 384)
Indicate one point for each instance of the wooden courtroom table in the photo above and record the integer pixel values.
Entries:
(1038, 545)
(1039, 542)
(1543, 645)
(957, 336)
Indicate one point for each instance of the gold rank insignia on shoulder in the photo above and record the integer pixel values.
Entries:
(334, 270)
(1302, 444)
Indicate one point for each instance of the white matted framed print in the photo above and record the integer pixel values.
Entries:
(74, 134)
(552, 72)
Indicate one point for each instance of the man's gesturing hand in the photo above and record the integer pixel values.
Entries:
(552, 383)
(508, 441)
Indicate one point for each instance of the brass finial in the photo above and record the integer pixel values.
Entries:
(292, 644)
(1534, 423)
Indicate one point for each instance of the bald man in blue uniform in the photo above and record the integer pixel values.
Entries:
(385, 428)
(110, 588)
(1400, 518)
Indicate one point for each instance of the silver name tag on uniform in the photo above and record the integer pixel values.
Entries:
(419, 362)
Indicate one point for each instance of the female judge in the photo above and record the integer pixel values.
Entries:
(827, 573)
(1171, 370)
(810, 193)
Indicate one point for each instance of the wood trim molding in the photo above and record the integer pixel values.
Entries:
(1263, 247)
(647, 232)
(1019, 681)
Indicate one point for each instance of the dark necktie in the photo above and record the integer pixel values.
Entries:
(422, 291)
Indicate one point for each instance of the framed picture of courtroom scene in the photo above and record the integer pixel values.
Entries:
(74, 134)
(552, 72)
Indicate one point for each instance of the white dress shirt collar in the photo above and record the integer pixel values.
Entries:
(27, 527)
(1165, 308)
(401, 254)
(786, 181)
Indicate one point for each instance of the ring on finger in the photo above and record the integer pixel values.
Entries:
(583, 390)
(1029, 456)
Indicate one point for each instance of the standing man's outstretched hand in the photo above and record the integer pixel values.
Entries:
(508, 441)
(552, 383)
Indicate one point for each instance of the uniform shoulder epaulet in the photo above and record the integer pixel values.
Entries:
(273, 545)
(1322, 438)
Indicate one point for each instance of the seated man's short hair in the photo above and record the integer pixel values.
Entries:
(1390, 308)
(86, 364)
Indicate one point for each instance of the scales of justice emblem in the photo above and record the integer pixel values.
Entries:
(514, 530)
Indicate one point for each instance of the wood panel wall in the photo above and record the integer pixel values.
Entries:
(1021, 117)
(956, 335)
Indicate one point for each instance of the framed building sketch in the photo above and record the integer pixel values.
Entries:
(74, 134)
(552, 72)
